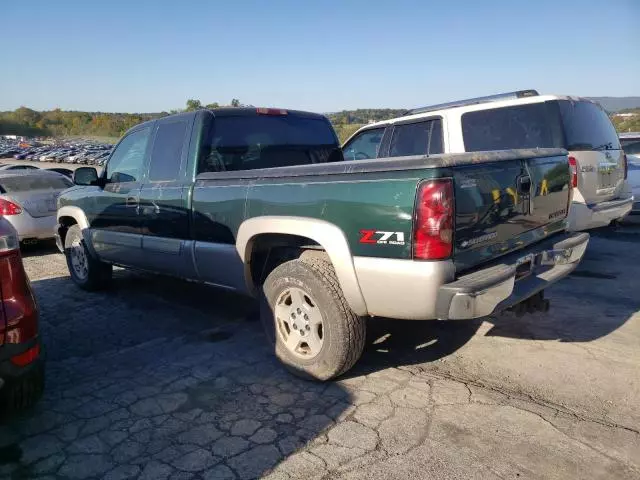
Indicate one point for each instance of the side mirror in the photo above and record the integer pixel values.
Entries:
(85, 176)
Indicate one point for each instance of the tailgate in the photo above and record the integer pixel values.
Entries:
(505, 206)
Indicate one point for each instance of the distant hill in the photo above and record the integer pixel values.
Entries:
(615, 104)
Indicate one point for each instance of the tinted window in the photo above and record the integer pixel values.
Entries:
(523, 126)
(631, 147)
(364, 145)
(420, 138)
(25, 183)
(587, 126)
(127, 161)
(267, 141)
(167, 150)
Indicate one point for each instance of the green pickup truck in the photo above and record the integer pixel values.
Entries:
(261, 201)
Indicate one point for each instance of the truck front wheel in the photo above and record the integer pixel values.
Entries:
(307, 318)
(86, 272)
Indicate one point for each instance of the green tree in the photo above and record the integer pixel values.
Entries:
(213, 105)
(193, 105)
(235, 102)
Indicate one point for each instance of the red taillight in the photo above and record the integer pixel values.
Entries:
(271, 111)
(626, 165)
(433, 228)
(9, 208)
(16, 300)
(25, 358)
(573, 167)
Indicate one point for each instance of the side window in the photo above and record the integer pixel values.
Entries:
(127, 161)
(419, 138)
(167, 151)
(363, 146)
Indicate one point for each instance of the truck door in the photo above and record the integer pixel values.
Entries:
(164, 200)
(115, 225)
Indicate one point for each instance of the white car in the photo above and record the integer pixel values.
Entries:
(517, 120)
(28, 201)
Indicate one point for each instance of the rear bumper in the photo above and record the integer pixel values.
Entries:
(495, 288)
(585, 217)
(33, 227)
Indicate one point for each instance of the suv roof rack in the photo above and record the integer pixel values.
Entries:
(475, 101)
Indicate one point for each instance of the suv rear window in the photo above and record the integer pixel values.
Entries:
(523, 126)
(26, 183)
(247, 142)
(587, 126)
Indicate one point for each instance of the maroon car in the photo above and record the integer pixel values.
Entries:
(21, 365)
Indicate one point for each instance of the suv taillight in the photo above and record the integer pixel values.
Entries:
(573, 167)
(9, 208)
(626, 165)
(433, 227)
(20, 313)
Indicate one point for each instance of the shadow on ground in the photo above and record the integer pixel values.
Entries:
(158, 377)
(43, 247)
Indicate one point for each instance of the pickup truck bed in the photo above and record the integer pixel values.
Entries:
(322, 242)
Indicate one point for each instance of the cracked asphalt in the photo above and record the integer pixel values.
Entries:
(163, 379)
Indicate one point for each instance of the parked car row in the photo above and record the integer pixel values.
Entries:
(84, 153)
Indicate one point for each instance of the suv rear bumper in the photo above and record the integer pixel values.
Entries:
(495, 288)
(585, 217)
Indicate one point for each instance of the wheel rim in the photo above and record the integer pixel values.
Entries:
(78, 258)
(299, 323)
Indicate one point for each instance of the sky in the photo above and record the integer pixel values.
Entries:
(324, 56)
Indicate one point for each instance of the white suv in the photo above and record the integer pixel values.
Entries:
(516, 120)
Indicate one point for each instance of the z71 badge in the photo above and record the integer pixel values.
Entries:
(378, 237)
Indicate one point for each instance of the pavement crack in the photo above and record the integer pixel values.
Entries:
(510, 394)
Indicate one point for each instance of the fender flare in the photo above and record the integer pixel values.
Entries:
(326, 234)
(76, 213)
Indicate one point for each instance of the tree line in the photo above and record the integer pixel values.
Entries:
(57, 123)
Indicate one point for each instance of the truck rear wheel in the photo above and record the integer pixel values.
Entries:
(86, 272)
(307, 318)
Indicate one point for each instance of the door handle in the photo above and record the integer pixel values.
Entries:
(133, 202)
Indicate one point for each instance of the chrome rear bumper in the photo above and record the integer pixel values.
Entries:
(517, 277)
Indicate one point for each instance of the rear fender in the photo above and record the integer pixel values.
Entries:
(325, 234)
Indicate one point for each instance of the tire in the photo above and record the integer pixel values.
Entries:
(22, 393)
(342, 333)
(86, 271)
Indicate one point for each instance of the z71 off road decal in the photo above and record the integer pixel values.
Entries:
(378, 237)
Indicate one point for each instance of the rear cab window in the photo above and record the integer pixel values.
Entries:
(247, 142)
(27, 183)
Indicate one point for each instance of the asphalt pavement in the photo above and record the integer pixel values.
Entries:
(159, 378)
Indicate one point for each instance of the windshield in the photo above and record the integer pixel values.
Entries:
(587, 126)
(26, 183)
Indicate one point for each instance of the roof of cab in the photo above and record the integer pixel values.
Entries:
(228, 112)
